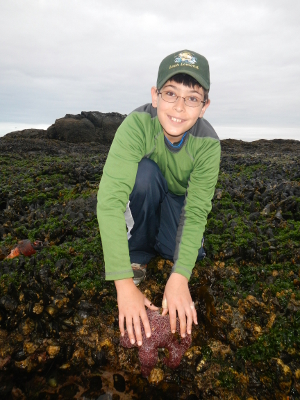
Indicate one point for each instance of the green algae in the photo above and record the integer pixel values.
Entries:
(227, 379)
(284, 335)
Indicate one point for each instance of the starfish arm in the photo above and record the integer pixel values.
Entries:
(148, 358)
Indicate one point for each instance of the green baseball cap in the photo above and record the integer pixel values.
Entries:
(187, 62)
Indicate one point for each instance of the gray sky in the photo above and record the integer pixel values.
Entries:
(68, 56)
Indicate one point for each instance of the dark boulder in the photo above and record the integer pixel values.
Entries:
(106, 123)
(87, 127)
(74, 130)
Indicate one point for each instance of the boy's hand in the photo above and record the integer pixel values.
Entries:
(131, 303)
(178, 298)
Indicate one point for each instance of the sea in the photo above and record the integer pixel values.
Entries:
(245, 133)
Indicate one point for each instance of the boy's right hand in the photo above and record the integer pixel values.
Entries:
(131, 303)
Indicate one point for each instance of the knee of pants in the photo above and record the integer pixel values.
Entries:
(147, 175)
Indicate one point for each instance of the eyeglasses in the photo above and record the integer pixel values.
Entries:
(171, 97)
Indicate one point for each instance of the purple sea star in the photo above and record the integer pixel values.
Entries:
(161, 336)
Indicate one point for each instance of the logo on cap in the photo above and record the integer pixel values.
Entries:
(185, 57)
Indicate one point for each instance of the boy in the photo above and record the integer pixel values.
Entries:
(161, 172)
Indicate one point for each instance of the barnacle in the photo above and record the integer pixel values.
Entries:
(53, 350)
(156, 376)
(219, 349)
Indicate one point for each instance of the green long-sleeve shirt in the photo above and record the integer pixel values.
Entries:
(192, 170)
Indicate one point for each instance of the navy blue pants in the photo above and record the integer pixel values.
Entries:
(152, 216)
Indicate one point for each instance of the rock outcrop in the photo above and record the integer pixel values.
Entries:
(87, 127)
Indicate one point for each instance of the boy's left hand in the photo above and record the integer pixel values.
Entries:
(179, 299)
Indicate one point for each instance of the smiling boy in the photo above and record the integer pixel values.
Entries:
(156, 190)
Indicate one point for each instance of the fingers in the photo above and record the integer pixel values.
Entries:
(189, 323)
(182, 322)
(131, 303)
(186, 314)
(172, 312)
(121, 324)
(146, 324)
(178, 297)
(194, 314)
(130, 330)
(138, 332)
(164, 305)
(134, 329)
(150, 305)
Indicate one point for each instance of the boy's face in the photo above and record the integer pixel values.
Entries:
(177, 118)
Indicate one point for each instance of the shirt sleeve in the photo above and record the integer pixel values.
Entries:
(197, 206)
(117, 182)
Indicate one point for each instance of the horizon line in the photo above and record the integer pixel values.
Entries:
(242, 132)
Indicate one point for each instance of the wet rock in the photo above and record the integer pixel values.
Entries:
(269, 208)
(254, 216)
(19, 354)
(99, 357)
(270, 233)
(8, 303)
(230, 252)
(119, 382)
(5, 388)
(17, 394)
(218, 194)
(278, 215)
(251, 253)
(68, 391)
(106, 396)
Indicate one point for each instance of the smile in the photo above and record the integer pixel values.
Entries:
(176, 119)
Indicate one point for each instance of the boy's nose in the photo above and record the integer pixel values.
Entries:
(179, 103)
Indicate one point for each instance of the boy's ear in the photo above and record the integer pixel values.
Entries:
(154, 96)
(204, 108)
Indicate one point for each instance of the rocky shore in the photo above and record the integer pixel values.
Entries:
(59, 336)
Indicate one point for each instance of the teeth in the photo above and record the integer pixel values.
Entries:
(175, 119)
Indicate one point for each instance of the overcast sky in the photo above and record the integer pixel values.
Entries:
(68, 56)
